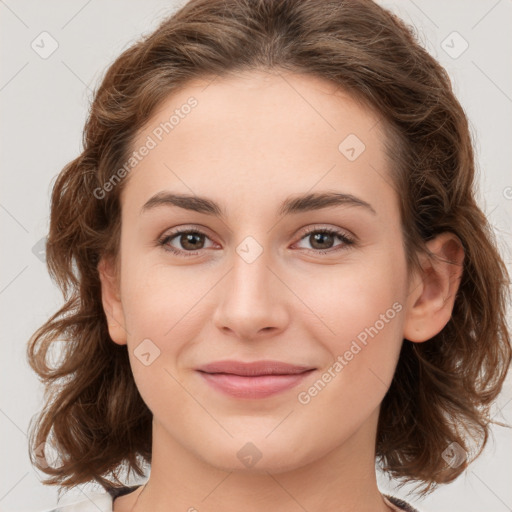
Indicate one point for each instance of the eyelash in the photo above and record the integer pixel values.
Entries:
(347, 241)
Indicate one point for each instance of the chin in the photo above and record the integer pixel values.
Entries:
(257, 455)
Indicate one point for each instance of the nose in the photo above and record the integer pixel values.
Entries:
(253, 300)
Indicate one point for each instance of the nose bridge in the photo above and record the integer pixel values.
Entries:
(250, 274)
(251, 278)
(251, 299)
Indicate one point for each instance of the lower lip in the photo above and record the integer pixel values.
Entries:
(260, 386)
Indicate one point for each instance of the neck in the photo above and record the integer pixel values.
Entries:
(342, 480)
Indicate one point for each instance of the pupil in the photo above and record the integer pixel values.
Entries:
(189, 238)
(319, 237)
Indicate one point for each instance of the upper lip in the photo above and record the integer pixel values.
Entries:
(254, 368)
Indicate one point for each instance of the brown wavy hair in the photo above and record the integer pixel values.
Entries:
(442, 390)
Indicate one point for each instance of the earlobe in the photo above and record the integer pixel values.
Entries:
(432, 294)
(111, 299)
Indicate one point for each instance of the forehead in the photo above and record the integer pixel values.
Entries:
(258, 135)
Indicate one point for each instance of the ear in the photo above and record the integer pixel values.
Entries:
(111, 299)
(432, 294)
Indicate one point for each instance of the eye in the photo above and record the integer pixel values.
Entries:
(192, 240)
(189, 239)
(322, 239)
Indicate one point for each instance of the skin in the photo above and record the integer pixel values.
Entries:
(252, 141)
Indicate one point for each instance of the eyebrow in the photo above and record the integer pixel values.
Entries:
(291, 205)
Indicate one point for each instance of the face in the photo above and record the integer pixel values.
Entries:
(317, 284)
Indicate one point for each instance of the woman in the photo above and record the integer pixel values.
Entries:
(275, 269)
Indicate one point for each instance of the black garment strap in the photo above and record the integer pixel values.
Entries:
(115, 492)
(400, 503)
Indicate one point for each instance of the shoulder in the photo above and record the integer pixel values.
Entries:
(93, 502)
(103, 503)
(97, 502)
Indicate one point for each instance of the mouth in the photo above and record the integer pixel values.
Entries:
(258, 379)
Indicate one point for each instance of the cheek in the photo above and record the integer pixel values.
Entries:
(164, 310)
(160, 299)
(359, 322)
(158, 303)
(351, 297)
(363, 354)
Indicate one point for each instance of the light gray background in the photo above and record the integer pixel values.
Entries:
(44, 103)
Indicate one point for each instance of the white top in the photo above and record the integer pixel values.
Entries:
(95, 502)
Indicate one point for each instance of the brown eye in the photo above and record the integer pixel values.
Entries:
(322, 240)
(183, 242)
(191, 241)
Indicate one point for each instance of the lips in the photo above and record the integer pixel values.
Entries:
(254, 369)
(257, 379)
